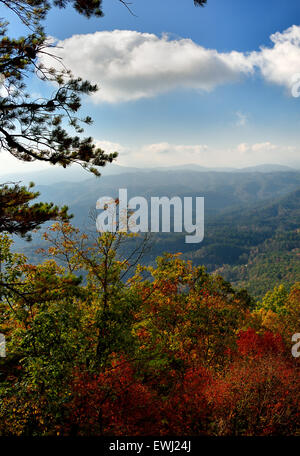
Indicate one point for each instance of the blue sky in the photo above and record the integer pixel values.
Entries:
(181, 84)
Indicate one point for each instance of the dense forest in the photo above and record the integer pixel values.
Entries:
(171, 350)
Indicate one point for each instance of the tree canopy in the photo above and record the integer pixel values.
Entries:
(171, 350)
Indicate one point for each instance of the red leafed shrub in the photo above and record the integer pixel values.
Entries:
(112, 403)
(252, 344)
(257, 396)
(186, 411)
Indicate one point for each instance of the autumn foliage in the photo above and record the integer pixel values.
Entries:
(164, 350)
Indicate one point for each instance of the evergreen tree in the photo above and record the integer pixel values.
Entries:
(17, 216)
(39, 129)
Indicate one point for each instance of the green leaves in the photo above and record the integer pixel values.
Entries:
(275, 300)
(17, 216)
(39, 129)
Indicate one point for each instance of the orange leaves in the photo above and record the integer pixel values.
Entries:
(142, 333)
(256, 397)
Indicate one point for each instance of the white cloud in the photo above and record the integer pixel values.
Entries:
(265, 146)
(130, 65)
(178, 149)
(241, 155)
(109, 147)
(243, 148)
(264, 152)
(165, 153)
(280, 63)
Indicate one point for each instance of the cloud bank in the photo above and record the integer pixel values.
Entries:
(129, 65)
(240, 155)
(168, 154)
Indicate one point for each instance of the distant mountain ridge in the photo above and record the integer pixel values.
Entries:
(76, 174)
(251, 219)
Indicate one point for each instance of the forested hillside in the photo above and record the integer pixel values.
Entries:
(272, 253)
(251, 220)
